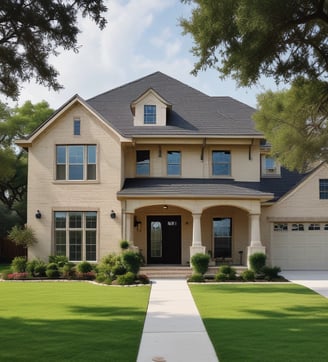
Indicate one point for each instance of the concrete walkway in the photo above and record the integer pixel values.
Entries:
(173, 330)
(315, 280)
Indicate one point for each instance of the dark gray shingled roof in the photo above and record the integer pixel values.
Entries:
(192, 187)
(193, 112)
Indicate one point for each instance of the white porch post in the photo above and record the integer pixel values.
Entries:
(255, 237)
(129, 230)
(196, 246)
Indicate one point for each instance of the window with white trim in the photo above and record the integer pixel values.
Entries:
(323, 189)
(314, 227)
(280, 227)
(270, 166)
(173, 163)
(297, 227)
(221, 163)
(76, 162)
(149, 114)
(77, 127)
(76, 235)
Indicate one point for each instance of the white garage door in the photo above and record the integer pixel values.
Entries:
(300, 246)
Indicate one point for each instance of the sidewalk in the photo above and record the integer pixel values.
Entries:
(173, 330)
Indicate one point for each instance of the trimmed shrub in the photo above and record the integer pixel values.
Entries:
(18, 265)
(200, 263)
(60, 260)
(124, 245)
(196, 278)
(52, 271)
(131, 261)
(220, 277)
(271, 273)
(248, 275)
(84, 267)
(257, 262)
(68, 270)
(36, 267)
(126, 279)
(229, 271)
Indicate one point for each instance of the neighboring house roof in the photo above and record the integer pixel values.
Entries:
(268, 188)
(193, 113)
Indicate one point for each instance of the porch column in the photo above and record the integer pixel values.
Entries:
(196, 246)
(129, 230)
(255, 237)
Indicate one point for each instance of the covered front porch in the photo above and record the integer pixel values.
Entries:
(169, 232)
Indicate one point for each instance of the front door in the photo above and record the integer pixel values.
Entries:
(164, 239)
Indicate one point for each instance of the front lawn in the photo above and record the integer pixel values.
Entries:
(264, 322)
(71, 321)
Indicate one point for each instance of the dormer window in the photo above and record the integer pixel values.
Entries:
(149, 114)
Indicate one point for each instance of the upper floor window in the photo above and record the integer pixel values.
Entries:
(76, 162)
(323, 189)
(270, 166)
(77, 127)
(149, 114)
(221, 163)
(143, 163)
(173, 163)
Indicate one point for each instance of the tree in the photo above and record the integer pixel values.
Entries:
(294, 122)
(250, 38)
(17, 123)
(33, 30)
(286, 40)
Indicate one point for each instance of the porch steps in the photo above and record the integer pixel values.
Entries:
(177, 271)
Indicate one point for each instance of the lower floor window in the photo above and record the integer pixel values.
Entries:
(76, 235)
(222, 232)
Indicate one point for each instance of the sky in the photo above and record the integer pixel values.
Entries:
(141, 37)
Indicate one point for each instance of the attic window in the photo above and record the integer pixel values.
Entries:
(77, 127)
(270, 167)
(149, 114)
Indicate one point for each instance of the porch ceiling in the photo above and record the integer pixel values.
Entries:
(191, 188)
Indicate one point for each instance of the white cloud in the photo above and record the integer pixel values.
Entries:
(141, 37)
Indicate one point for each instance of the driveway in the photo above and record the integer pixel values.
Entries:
(315, 280)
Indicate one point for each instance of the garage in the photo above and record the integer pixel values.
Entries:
(300, 245)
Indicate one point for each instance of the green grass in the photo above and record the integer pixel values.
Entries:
(70, 321)
(277, 322)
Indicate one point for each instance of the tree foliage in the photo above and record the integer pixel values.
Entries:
(250, 38)
(294, 122)
(32, 30)
(14, 124)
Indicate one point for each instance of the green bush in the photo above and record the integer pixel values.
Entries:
(68, 270)
(126, 279)
(36, 267)
(229, 271)
(84, 267)
(248, 275)
(131, 261)
(118, 269)
(220, 277)
(60, 260)
(124, 245)
(18, 265)
(271, 273)
(22, 236)
(196, 278)
(257, 262)
(52, 271)
(200, 263)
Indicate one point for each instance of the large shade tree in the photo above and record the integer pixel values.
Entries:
(16, 123)
(286, 40)
(32, 30)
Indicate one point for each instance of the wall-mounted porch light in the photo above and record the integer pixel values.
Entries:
(38, 214)
(113, 214)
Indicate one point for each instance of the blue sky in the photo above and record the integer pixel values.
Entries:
(141, 37)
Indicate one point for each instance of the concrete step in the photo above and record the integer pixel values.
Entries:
(167, 271)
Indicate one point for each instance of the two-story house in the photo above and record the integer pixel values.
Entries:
(173, 171)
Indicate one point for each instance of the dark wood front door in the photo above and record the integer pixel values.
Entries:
(164, 239)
